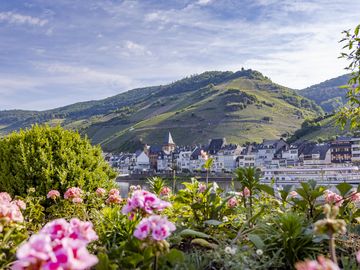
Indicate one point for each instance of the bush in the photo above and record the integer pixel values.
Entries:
(49, 158)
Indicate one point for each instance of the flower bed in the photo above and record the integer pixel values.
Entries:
(197, 227)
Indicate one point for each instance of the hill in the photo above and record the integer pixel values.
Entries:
(241, 106)
(328, 94)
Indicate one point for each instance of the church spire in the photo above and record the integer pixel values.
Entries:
(169, 139)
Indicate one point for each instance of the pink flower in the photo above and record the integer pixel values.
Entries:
(320, 264)
(232, 202)
(293, 194)
(100, 192)
(10, 210)
(53, 194)
(245, 192)
(56, 229)
(142, 229)
(36, 250)
(5, 197)
(58, 246)
(165, 191)
(114, 191)
(201, 188)
(358, 256)
(355, 196)
(21, 204)
(333, 198)
(114, 199)
(82, 230)
(145, 202)
(77, 200)
(159, 228)
(73, 192)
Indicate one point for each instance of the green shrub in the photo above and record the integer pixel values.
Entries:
(51, 158)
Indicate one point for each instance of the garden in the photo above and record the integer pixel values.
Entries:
(61, 209)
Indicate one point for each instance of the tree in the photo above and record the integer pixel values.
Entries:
(47, 158)
(351, 111)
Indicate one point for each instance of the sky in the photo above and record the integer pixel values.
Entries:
(54, 53)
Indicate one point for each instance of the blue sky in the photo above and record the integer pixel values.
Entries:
(54, 53)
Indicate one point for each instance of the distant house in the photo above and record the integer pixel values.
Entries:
(355, 150)
(268, 150)
(291, 155)
(142, 163)
(226, 158)
(341, 150)
(246, 157)
(154, 151)
(196, 160)
(215, 145)
(169, 145)
(183, 160)
(312, 153)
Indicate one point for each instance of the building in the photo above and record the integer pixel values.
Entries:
(268, 150)
(247, 157)
(314, 154)
(355, 150)
(341, 150)
(142, 163)
(215, 145)
(169, 145)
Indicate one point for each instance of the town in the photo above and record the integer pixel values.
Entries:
(277, 159)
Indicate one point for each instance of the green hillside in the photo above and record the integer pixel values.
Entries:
(328, 94)
(322, 128)
(241, 106)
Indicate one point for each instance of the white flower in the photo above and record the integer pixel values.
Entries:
(225, 219)
(230, 250)
(259, 252)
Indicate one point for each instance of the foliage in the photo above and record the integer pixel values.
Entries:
(156, 184)
(351, 112)
(48, 158)
(287, 236)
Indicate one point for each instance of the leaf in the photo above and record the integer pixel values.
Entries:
(256, 240)
(356, 31)
(213, 222)
(203, 243)
(344, 188)
(193, 234)
(266, 189)
(175, 257)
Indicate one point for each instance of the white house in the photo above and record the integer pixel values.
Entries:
(142, 161)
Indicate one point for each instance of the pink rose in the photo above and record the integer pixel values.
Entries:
(114, 191)
(333, 198)
(246, 192)
(5, 197)
(53, 194)
(21, 204)
(114, 199)
(100, 192)
(73, 192)
(165, 191)
(232, 202)
(293, 194)
(201, 188)
(77, 200)
(355, 196)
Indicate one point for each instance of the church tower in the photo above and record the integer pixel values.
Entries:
(169, 145)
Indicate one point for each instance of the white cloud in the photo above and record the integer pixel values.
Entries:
(16, 18)
(204, 2)
(135, 48)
